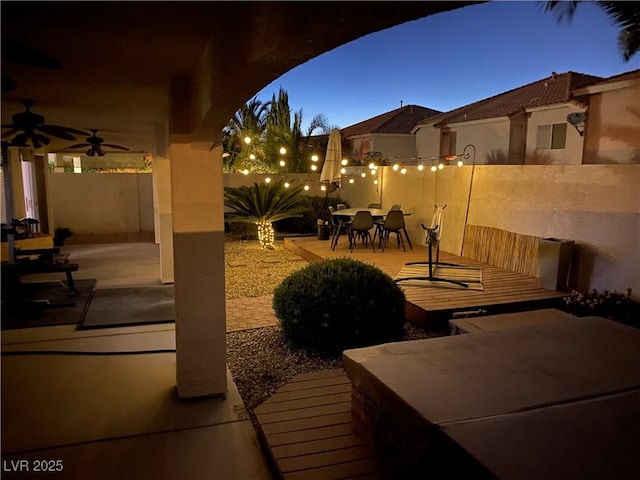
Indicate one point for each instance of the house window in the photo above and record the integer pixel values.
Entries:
(447, 143)
(552, 137)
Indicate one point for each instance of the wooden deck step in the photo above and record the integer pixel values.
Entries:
(306, 428)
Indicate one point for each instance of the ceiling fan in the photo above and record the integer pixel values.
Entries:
(29, 127)
(95, 144)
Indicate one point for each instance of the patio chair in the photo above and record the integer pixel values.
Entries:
(360, 227)
(393, 223)
(433, 234)
(374, 205)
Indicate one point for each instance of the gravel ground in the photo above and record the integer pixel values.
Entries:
(260, 359)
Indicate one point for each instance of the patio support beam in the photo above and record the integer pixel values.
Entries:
(198, 251)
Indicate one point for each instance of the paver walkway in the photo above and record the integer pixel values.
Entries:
(250, 312)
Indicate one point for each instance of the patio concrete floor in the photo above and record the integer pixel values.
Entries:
(107, 407)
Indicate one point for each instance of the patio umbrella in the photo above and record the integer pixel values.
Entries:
(330, 174)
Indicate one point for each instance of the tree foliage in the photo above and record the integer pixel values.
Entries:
(626, 15)
(271, 126)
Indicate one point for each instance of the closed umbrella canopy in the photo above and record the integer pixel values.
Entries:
(331, 167)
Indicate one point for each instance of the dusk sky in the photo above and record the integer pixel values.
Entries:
(451, 59)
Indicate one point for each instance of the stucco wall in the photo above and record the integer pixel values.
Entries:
(597, 206)
(102, 202)
(613, 127)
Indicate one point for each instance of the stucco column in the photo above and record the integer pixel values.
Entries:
(198, 252)
(164, 226)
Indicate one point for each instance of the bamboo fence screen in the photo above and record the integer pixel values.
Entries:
(508, 250)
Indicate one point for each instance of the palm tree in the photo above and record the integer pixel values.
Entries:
(624, 14)
(263, 204)
(248, 122)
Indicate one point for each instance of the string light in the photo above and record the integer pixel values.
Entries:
(396, 167)
(245, 171)
(252, 156)
(314, 167)
(306, 187)
(403, 170)
(323, 188)
(363, 174)
(267, 180)
(344, 162)
(372, 165)
(351, 180)
(283, 150)
(286, 184)
(282, 163)
(460, 163)
(314, 158)
(247, 140)
(434, 168)
(441, 166)
(375, 182)
(420, 166)
(343, 170)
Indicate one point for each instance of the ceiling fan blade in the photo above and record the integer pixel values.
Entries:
(8, 84)
(77, 145)
(21, 54)
(10, 132)
(110, 145)
(59, 131)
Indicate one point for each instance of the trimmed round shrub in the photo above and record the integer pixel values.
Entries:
(338, 304)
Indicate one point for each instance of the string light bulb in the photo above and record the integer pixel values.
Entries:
(314, 167)
(403, 170)
(245, 171)
(286, 184)
(363, 174)
(314, 158)
(306, 187)
(434, 168)
(267, 180)
(375, 182)
(420, 167)
(441, 166)
(323, 188)
(343, 170)
(372, 165)
(396, 167)
(252, 156)
(351, 180)
(282, 163)
(460, 163)
(344, 162)
(247, 139)
(283, 150)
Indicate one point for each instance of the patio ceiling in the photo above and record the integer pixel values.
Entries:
(118, 57)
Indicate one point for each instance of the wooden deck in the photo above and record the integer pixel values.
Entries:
(503, 291)
(306, 428)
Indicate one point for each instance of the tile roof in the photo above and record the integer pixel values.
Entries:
(619, 78)
(400, 120)
(548, 91)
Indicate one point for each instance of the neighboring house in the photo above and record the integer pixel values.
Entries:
(528, 125)
(389, 133)
(612, 130)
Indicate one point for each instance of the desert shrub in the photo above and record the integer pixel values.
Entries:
(338, 304)
(615, 306)
(308, 221)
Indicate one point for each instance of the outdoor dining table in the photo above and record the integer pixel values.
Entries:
(350, 213)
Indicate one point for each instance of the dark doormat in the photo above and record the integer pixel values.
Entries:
(44, 304)
(124, 307)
